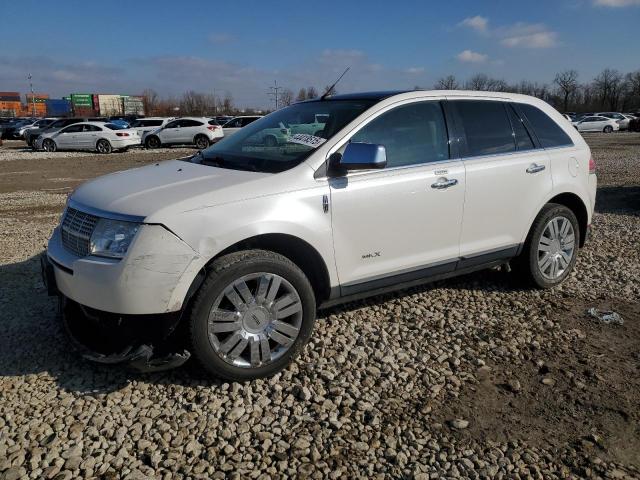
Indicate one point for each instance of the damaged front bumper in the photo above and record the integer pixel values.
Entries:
(146, 343)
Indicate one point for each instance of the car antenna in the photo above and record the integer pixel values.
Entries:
(330, 89)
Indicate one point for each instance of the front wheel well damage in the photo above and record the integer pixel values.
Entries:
(295, 249)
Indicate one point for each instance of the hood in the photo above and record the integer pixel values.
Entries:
(173, 185)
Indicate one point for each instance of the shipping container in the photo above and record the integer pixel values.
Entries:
(58, 107)
(84, 111)
(133, 105)
(109, 105)
(12, 106)
(37, 97)
(81, 100)
(9, 97)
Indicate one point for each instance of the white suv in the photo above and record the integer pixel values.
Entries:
(184, 131)
(228, 254)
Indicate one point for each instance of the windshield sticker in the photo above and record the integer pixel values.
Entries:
(306, 139)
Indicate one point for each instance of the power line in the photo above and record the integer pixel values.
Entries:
(273, 92)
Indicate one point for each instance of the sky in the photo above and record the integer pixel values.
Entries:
(242, 47)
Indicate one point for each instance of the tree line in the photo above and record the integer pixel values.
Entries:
(610, 90)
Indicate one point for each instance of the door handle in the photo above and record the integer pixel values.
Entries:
(534, 168)
(444, 183)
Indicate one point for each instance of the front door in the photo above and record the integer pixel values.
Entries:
(403, 221)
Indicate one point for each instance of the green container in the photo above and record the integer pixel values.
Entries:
(82, 100)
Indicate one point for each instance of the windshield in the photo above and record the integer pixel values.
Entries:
(283, 139)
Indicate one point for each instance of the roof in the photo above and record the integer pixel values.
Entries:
(377, 96)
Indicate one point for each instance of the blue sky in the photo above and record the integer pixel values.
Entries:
(241, 47)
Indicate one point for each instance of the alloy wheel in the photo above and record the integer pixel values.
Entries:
(255, 320)
(556, 248)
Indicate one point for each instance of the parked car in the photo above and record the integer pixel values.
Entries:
(235, 248)
(94, 136)
(186, 131)
(148, 124)
(621, 120)
(634, 124)
(10, 130)
(31, 134)
(222, 119)
(596, 123)
(42, 123)
(236, 123)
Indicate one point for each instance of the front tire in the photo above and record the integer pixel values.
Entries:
(49, 145)
(152, 142)
(252, 315)
(608, 129)
(551, 248)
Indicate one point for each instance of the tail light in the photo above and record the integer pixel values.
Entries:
(592, 165)
(213, 127)
(122, 134)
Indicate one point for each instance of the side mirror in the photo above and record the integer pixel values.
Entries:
(358, 156)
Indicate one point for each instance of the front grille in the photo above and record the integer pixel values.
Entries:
(77, 228)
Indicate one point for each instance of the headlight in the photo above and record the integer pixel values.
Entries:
(111, 238)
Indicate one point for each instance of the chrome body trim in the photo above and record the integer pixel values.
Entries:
(104, 213)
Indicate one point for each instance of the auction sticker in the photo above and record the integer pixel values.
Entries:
(306, 139)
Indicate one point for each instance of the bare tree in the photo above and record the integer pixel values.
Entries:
(567, 82)
(312, 93)
(478, 82)
(302, 95)
(286, 97)
(447, 83)
(150, 101)
(608, 86)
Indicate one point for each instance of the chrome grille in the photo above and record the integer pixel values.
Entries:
(77, 228)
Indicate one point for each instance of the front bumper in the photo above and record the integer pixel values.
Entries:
(153, 277)
(144, 342)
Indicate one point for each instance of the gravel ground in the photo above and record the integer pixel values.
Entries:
(473, 377)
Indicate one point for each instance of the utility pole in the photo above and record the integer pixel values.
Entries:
(274, 92)
(33, 100)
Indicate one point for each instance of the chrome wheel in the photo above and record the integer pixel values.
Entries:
(556, 248)
(49, 146)
(103, 146)
(255, 320)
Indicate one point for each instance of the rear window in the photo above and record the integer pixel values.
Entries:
(486, 126)
(520, 133)
(548, 132)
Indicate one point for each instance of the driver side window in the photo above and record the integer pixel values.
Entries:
(411, 134)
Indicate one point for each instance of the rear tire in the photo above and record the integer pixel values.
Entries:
(252, 315)
(152, 142)
(103, 146)
(49, 145)
(551, 248)
(608, 129)
(201, 141)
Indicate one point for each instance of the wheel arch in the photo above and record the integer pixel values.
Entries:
(300, 252)
(574, 203)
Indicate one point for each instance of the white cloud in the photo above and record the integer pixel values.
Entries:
(528, 36)
(472, 57)
(414, 70)
(615, 3)
(477, 23)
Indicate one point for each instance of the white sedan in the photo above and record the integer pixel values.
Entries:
(596, 123)
(95, 136)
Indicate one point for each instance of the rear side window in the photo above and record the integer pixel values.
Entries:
(190, 123)
(412, 134)
(548, 132)
(486, 126)
(520, 133)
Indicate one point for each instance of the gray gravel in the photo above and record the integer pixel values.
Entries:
(364, 400)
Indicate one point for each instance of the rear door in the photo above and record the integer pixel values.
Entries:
(507, 177)
(188, 130)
